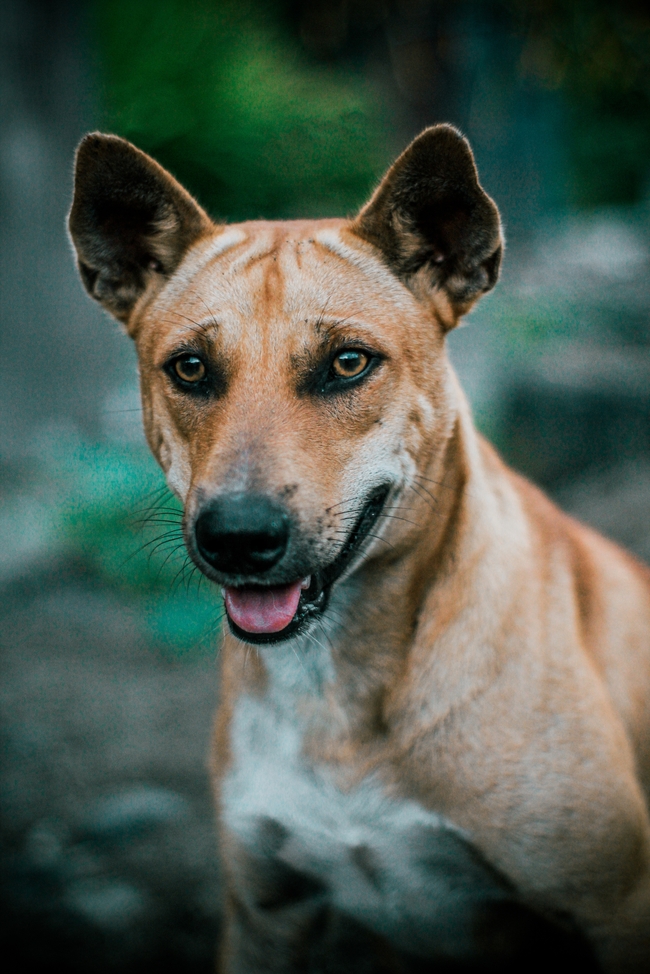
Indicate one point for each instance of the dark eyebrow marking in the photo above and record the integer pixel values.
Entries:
(319, 321)
(320, 326)
(198, 327)
(203, 302)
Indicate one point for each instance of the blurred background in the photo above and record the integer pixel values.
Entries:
(274, 109)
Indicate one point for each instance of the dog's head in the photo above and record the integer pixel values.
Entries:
(293, 374)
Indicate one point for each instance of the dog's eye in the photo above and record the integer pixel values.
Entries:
(189, 368)
(350, 363)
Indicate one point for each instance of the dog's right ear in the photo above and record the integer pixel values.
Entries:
(433, 223)
(131, 222)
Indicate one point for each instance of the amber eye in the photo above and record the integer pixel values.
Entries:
(350, 363)
(189, 368)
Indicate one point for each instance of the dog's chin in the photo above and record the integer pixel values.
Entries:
(262, 615)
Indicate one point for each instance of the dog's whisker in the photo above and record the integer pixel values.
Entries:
(169, 555)
(191, 576)
(319, 320)
(424, 489)
(178, 579)
(212, 630)
(338, 322)
(157, 492)
(398, 507)
(157, 520)
(198, 326)
(397, 517)
(296, 654)
(312, 638)
(438, 483)
(177, 542)
(422, 497)
(203, 302)
(167, 536)
(378, 537)
(154, 509)
(157, 508)
(187, 573)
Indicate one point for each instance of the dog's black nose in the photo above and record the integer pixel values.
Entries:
(242, 534)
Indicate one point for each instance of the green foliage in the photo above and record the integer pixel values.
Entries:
(114, 516)
(223, 97)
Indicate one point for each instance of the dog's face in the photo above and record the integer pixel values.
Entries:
(291, 386)
(293, 375)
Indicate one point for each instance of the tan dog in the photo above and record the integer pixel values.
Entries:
(444, 729)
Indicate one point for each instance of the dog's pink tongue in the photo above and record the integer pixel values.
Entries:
(263, 609)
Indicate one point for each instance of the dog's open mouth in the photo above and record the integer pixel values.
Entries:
(263, 611)
(268, 614)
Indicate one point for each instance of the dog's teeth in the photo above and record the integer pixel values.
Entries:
(306, 582)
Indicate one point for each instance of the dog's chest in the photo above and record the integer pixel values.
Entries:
(390, 864)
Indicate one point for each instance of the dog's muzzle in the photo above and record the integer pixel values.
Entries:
(246, 536)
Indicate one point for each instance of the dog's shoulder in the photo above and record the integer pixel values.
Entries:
(609, 591)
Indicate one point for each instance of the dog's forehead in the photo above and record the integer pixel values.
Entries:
(254, 275)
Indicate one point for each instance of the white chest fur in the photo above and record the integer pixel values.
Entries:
(399, 869)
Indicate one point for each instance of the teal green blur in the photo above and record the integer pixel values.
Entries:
(109, 513)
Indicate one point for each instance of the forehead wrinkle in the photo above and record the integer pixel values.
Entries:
(367, 263)
(199, 258)
(331, 327)
(270, 293)
(264, 243)
(221, 276)
(220, 293)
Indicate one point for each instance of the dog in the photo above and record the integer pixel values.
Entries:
(433, 739)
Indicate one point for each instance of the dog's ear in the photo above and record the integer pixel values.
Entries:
(130, 222)
(430, 217)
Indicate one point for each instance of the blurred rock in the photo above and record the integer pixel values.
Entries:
(556, 361)
(109, 904)
(616, 503)
(134, 811)
(577, 410)
(44, 844)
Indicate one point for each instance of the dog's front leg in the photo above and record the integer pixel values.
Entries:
(312, 939)
(623, 939)
(265, 941)
(272, 913)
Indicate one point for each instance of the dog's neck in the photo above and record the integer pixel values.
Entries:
(337, 669)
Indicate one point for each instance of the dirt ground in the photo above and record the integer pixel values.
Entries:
(107, 822)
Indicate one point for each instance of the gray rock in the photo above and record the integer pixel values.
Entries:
(110, 904)
(44, 844)
(133, 812)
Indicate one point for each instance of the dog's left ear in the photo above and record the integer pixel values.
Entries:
(432, 221)
(131, 223)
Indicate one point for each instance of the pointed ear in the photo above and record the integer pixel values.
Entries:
(130, 222)
(430, 217)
